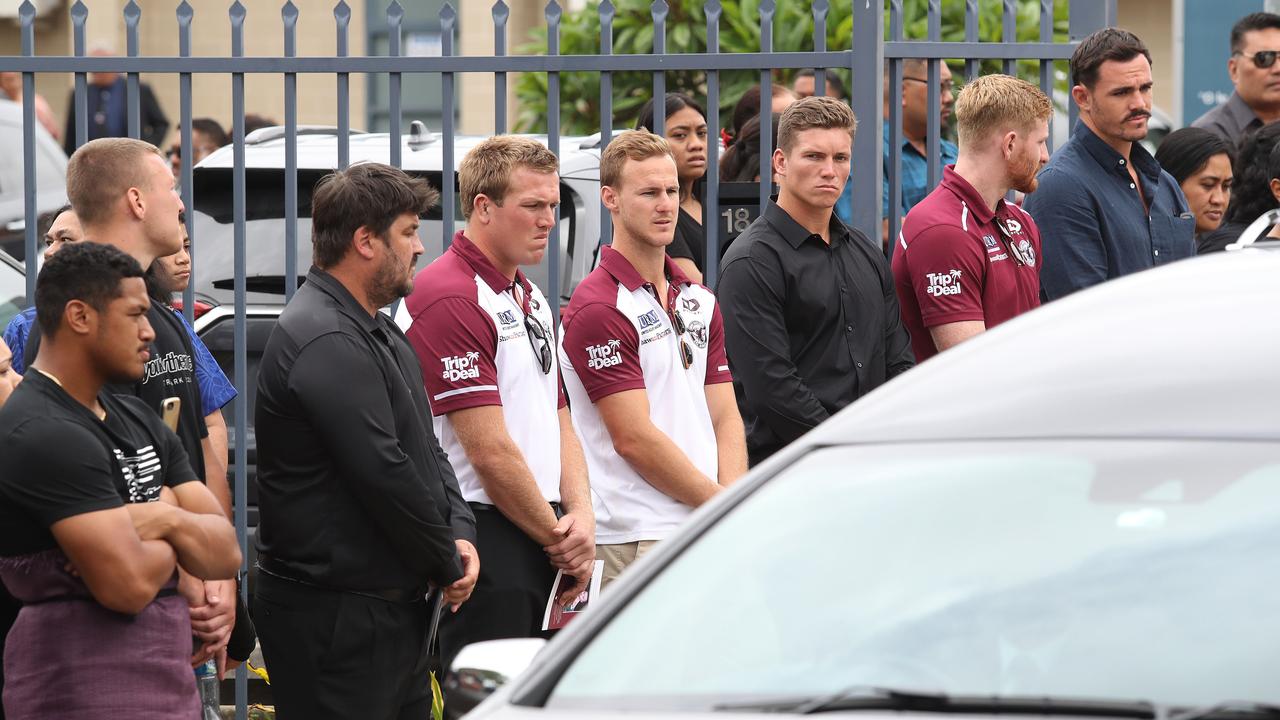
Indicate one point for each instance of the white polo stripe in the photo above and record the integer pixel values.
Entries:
(964, 216)
(902, 240)
(460, 391)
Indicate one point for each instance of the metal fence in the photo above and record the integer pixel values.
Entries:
(866, 64)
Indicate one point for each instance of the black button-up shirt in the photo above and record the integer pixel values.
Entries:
(809, 327)
(1092, 220)
(354, 490)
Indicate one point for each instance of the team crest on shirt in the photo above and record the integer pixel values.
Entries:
(698, 331)
(600, 357)
(507, 318)
(1013, 226)
(1028, 252)
(648, 320)
(461, 367)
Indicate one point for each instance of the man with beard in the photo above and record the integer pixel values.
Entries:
(1112, 209)
(360, 511)
(967, 260)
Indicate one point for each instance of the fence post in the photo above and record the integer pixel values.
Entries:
(133, 94)
(184, 15)
(27, 19)
(1086, 19)
(867, 61)
(289, 17)
(606, 11)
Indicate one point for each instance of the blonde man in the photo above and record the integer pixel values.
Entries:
(811, 319)
(483, 334)
(644, 364)
(967, 260)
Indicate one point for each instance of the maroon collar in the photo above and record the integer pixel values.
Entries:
(617, 265)
(969, 196)
(467, 250)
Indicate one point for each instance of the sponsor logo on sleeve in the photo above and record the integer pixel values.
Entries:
(600, 357)
(947, 283)
(461, 367)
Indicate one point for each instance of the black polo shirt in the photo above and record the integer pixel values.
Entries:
(809, 327)
(354, 490)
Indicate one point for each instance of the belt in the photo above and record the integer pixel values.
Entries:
(271, 567)
(486, 507)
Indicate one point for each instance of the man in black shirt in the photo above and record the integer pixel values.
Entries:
(360, 510)
(96, 480)
(125, 195)
(811, 320)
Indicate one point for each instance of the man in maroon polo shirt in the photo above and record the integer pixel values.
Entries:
(484, 335)
(968, 260)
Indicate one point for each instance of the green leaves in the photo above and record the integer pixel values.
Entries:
(633, 30)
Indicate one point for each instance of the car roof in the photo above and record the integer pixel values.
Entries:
(318, 149)
(1181, 351)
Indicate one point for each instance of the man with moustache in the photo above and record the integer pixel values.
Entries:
(643, 359)
(1113, 210)
(360, 512)
(484, 336)
(967, 260)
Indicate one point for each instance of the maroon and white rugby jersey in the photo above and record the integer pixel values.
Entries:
(617, 336)
(469, 331)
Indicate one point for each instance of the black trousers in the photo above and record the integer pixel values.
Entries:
(333, 654)
(511, 593)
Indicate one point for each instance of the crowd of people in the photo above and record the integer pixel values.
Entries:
(486, 449)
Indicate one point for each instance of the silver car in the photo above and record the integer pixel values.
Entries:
(1077, 513)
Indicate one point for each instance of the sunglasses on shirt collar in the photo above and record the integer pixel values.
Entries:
(1263, 58)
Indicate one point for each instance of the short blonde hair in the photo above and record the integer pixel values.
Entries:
(102, 171)
(998, 103)
(630, 145)
(811, 113)
(487, 169)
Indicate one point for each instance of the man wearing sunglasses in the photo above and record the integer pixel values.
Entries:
(1255, 46)
(644, 365)
(966, 259)
(484, 337)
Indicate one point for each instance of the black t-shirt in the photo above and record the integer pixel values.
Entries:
(170, 372)
(60, 460)
(690, 241)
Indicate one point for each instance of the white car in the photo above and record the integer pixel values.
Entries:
(421, 155)
(1075, 514)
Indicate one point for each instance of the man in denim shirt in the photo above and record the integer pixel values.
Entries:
(1106, 207)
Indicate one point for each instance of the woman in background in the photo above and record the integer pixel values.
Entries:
(685, 129)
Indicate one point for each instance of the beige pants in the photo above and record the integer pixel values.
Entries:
(617, 557)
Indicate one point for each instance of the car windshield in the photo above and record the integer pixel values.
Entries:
(1105, 570)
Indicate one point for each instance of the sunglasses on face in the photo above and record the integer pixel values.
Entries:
(539, 341)
(1263, 58)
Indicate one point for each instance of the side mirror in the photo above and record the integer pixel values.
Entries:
(481, 668)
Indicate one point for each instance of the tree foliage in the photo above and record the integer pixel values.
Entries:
(686, 32)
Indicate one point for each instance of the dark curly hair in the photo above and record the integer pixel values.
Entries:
(741, 161)
(1255, 165)
(86, 271)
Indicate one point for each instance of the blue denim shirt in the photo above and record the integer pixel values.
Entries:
(1092, 219)
(914, 179)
